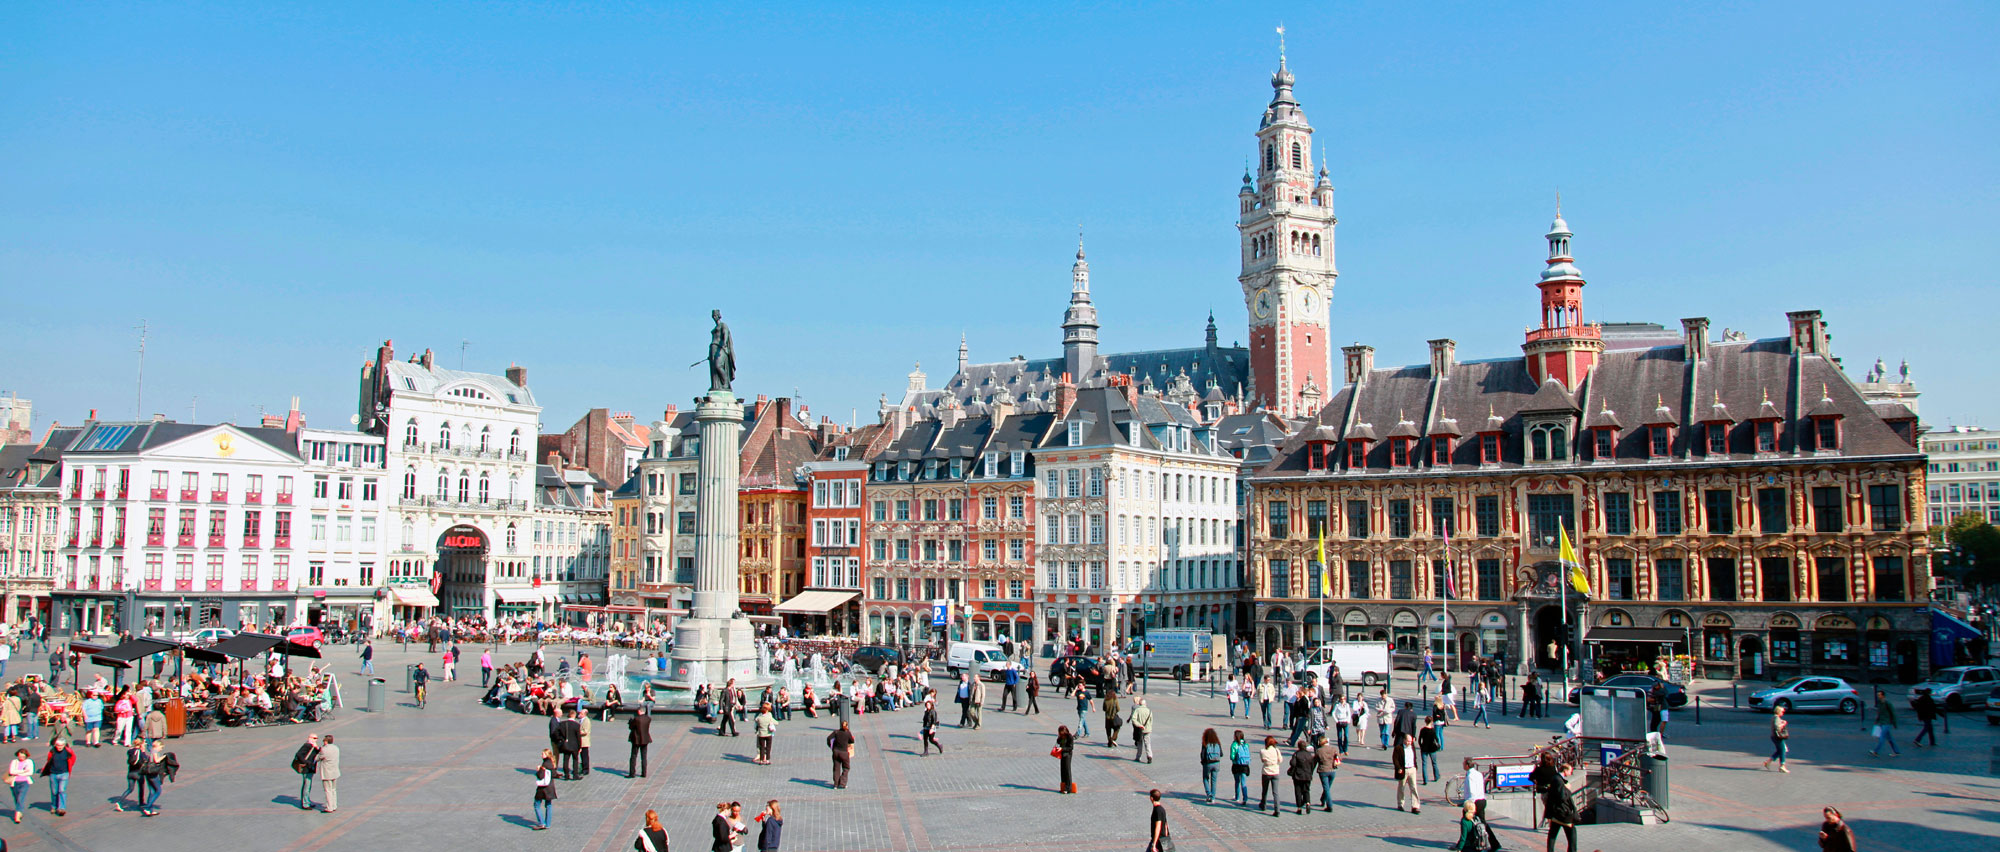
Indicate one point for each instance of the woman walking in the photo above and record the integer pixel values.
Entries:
(1780, 733)
(652, 835)
(134, 782)
(1232, 691)
(57, 767)
(1065, 747)
(1558, 806)
(1834, 833)
(766, 727)
(154, 771)
(545, 791)
(928, 728)
(1211, 759)
(20, 774)
(1479, 698)
(1034, 692)
(1112, 719)
(1239, 766)
(1272, 760)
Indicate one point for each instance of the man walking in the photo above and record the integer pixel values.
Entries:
(841, 744)
(305, 762)
(1885, 725)
(1142, 730)
(1927, 713)
(368, 657)
(639, 732)
(1011, 681)
(329, 773)
(725, 725)
(582, 723)
(569, 735)
(977, 700)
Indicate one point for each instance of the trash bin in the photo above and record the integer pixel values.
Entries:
(1653, 773)
(378, 694)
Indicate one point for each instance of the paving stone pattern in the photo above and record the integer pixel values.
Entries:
(460, 774)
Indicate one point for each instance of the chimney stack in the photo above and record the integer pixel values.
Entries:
(1065, 395)
(428, 359)
(784, 414)
(1360, 361)
(1808, 333)
(1694, 338)
(668, 416)
(518, 375)
(1444, 354)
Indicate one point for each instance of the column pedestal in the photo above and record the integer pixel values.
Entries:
(715, 642)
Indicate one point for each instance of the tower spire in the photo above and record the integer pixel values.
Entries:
(1080, 321)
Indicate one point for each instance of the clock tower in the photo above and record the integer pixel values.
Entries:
(1285, 222)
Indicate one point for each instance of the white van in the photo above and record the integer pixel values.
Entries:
(982, 658)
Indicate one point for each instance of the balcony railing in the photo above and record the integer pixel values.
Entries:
(281, 541)
(183, 584)
(156, 494)
(155, 539)
(218, 496)
(250, 541)
(253, 496)
(218, 541)
(152, 583)
(184, 541)
(97, 492)
(214, 584)
(189, 495)
(284, 498)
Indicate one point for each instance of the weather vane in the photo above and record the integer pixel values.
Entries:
(1281, 44)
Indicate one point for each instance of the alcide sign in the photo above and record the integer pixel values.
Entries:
(463, 536)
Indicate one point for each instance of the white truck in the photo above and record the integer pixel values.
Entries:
(1180, 652)
(1364, 663)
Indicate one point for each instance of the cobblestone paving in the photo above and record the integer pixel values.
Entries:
(458, 773)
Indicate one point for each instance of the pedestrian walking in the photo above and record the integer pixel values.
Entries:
(1328, 765)
(1384, 720)
(1404, 755)
(652, 835)
(766, 725)
(726, 698)
(1065, 748)
(927, 728)
(1475, 787)
(1479, 696)
(639, 733)
(154, 728)
(1427, 674)
(1158, 838)
(20, 776)
(1781, 734)
(770, 827)
(1427, 753)
(545, 791)
(1232, 691)
(1112, 721)
(1304, 765)
(976, 700)
(569, 743)
(155, 770)
(1472, 831)
(1142, 730)
(1558, 806)
(1834, 833)
(841, 744)
(135, 757)
(329, 774)
(485, 668)
(1239, 768)
(1011, 684)
(61, 761)
(305, 762)
(1272, 762)
(1211, 760)
(1885, 726)
(1082, 711)
(1266, 691)
(368, 658)
(1927, 713)
(1034, 693)
(583, 739)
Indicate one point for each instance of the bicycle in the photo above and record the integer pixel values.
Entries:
(421, 690)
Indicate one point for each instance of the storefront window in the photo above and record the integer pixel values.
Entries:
(1837, 651)
(1716, 643)
(1784, 646)
(1878, 653)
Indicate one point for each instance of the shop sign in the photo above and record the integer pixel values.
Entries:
(1000, 607)
(1493, 621)
(1513, 776)
(1404, 618)
(1097, 615)
(1355, 617)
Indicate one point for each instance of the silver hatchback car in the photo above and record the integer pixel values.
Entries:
(1813, 692)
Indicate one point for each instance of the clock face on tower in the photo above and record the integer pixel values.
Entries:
(1263, 304)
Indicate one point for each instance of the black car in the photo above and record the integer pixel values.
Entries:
(873, 658)
(1676, 696)
(1087, 668)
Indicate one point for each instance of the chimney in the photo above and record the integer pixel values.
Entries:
(1808, 333)
(157, 418)
(1065, 395)
(1444, 353)
(93, 415)
(1694, 338)
(272, 421)
(784, 414)
(428, 359)
(293, 420)
(1360, 361)
(757, 411)
(555, 460)
(1002, 409)
(668, 415)
(1123, 382)
(518, 375)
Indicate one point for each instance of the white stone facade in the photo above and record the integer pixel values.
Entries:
(1964, 473)
(346, 495)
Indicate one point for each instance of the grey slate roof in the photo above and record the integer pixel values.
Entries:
(115, 437)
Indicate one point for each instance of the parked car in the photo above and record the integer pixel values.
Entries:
(206, 635)
(874, 658)
(307, 636)
(1084, 667)
(1993, 706)
(1676, 696)
(1809, 693)
(980, 657)
(1958, 687)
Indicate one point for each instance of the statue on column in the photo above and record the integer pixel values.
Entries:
(721, 356)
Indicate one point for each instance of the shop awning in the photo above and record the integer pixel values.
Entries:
(413, 596)
(815, 602)
(293, 649)
(140, 647)
(202, 655)
(519, 596)
(243, 646)
(1652, 635)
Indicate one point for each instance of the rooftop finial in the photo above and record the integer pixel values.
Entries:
(1281, 45)
(1559, 204)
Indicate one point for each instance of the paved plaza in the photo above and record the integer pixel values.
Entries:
(459, 774)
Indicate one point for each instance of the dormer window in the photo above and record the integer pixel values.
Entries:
(1489, 448)
(1826, 433)
(1548, 442)
(1017, 463)
(930, 468)
(1659, 441)
(1605, 448)
(1075, 433)
(1320, 455)
(1441, 450)
(958, 468)
(1718, 439)
(1357, 454)
(907, 471)
(989, 465)
(1767, 436)
(1399, 452)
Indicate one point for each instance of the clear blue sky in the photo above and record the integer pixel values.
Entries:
(278, 188)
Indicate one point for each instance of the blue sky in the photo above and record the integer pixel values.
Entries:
(276, 189)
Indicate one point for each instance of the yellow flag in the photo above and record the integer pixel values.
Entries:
(1325, 576)
(1568, 556)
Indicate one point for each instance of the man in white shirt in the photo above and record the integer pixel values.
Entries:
(1475, 787)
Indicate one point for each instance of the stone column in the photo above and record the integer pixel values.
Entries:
(720, 418)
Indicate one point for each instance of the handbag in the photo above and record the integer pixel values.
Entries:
(1877, 731)
(1055, 751)
(1166, 843)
